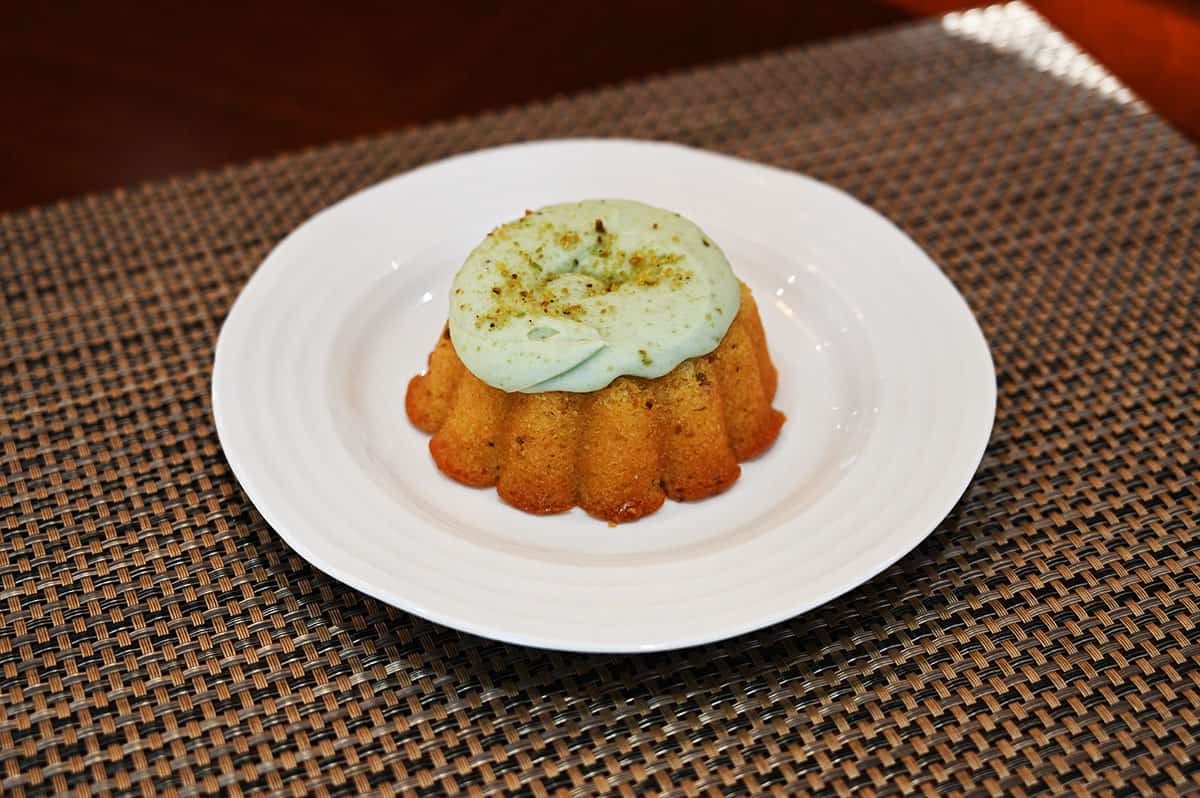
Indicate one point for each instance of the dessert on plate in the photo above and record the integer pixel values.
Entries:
(601, 354)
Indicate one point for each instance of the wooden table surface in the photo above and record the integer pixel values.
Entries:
(102, 95)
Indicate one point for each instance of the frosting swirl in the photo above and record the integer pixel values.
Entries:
(572, 296)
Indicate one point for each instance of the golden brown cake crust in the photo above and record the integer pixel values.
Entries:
(617, 452)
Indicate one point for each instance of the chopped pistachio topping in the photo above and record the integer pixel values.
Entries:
(570, 296)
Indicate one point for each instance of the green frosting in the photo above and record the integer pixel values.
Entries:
(572, 296)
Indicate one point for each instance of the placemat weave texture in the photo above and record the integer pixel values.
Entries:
(156, 637)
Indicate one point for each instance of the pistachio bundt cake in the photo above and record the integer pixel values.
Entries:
(600, 354)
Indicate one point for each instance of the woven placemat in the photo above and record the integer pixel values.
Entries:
(156, 637)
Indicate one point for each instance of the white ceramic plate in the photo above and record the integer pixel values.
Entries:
(884, 375)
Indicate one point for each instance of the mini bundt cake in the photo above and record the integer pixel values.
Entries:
(554, 430)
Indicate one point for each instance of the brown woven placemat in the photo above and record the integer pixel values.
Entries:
(157, 638)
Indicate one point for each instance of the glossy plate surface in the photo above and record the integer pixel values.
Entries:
(885, 378)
